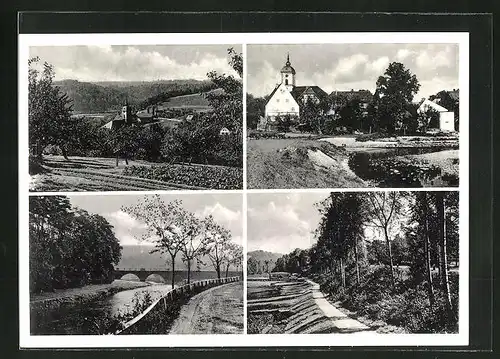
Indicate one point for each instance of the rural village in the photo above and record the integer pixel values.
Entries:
(303, 137)
(157, 135)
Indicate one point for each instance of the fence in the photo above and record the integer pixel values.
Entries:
(184, 291)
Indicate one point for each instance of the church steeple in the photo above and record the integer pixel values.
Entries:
(288, 74)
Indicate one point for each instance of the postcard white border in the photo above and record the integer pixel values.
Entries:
(246, 340)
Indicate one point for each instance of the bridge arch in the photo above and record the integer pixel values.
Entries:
(130, 277)
(154, 277)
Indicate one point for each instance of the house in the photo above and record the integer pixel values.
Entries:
(342, 98)
(224, 131)
(287, 98)
(446, 117)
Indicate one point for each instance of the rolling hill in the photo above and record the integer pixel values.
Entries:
(262, 256)
(136, 256)
(101, 97)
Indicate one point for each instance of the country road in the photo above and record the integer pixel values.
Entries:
(218, 310)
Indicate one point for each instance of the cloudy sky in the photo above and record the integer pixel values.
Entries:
(225, 208)
(135, 63)
(352, 66)
(281, 222)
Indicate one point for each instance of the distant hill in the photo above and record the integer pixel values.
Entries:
(101, 97)
(137, 257)
(262, 256)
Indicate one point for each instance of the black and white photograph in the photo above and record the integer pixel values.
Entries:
(353, 262)
(135, 117)
(136, 264)
(352, 115)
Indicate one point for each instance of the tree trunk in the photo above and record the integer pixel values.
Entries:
(227, 269)
(126, 160)
(342, 273)
(427, 253)
(116, 159)
(64, 153)
(388, 242)
(189, 271)
(217, 269)
(173, 270)
(356, 260)
(440, 205)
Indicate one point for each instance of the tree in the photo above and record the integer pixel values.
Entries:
(195, 241)
(441, 215)
(351, 114)
(384, 210)
(165, 225)
(313, 114)
(394, 92)
(234, 257)
(219, 244)
(256, 107)
(49, 110)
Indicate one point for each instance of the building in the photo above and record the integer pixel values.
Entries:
(287, 98)
(342, 98)
(446, 117)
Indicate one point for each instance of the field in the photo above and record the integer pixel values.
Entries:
(298, 163)
(101, 174)
(195, 102)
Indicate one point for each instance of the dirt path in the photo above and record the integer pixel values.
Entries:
(218, 310)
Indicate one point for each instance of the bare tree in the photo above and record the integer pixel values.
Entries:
(218, 244)
(195, 241)
(384, 211)
(164, 225)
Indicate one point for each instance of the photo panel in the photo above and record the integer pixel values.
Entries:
(353, 115)
(157, 264)
(380, 265)
(105, 117)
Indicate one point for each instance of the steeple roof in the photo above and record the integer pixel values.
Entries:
(288, 69)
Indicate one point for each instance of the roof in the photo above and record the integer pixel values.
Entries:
(429, 103)
(361, 95)
(454, 95)
(299, 91)
(288, 67)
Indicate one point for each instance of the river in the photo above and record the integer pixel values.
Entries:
(96, 317)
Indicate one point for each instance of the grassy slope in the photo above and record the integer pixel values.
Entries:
(268, 167)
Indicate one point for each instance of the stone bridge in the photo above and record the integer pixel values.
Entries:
(142, 273)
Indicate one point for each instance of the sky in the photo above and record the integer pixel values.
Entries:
(135, 63)
(225, 208)
(281, 222)
(352, 66)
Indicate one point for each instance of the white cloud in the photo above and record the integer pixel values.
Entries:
(349, 65)
(432, 60)
(378, 66)
(123, 219)
(403, 54)
(104, 63)
(219, 212)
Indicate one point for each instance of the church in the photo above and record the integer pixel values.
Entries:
(287, 98)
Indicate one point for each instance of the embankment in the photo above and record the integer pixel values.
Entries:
(295, 308)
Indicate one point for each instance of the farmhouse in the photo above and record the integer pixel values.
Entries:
(446, 117)
(341, 98)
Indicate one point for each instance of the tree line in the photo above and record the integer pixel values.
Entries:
(68, 247)
(52, 127)
(175, 231)
(391, 109)
(395, 248)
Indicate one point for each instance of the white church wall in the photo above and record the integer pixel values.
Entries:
(282, 103)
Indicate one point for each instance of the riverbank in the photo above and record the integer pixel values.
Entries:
(80, 296)
(298, 163)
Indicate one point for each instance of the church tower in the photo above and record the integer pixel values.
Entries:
(288, 74)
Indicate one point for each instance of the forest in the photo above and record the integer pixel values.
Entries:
(68, 247)
(387, 256)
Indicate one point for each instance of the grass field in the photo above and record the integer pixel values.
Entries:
(298, 163)
(194, 101)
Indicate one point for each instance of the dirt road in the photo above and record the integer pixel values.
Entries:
(218, 310)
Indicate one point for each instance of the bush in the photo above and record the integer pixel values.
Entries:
(195, 175)
(265, 135)
(370, 136)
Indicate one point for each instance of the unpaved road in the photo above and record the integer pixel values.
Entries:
(218, 310)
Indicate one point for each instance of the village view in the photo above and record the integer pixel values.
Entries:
(382, 262)
(379, 135)
(151, 264)
(164, 130)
